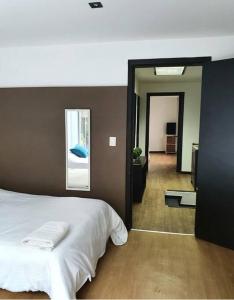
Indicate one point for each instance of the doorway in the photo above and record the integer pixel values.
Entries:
(175, 115)
(159, 207)
(214, 187)
(133, 65)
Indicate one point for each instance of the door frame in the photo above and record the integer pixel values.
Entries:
(138, 119)
(180, 124)
(132, 65)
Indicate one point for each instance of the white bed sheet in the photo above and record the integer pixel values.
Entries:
(61, 272)
(75, 162)
(77, 178)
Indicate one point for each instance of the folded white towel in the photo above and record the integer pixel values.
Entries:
(47, 236)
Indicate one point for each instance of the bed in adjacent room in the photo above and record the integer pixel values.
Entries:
(60, 272)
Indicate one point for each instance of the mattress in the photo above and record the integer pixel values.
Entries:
(61, 272)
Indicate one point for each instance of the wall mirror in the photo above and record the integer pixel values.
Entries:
(77, 125)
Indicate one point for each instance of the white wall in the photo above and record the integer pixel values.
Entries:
(192, 103)
(102, 64)
(162, 110)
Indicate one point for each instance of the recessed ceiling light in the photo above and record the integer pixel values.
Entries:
(175, 71)
(95, 4)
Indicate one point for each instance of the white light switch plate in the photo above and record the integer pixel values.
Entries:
(112, 141)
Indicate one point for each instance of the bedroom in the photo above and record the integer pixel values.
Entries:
(49, 62)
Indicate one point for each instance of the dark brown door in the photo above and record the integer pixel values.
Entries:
(215, 196)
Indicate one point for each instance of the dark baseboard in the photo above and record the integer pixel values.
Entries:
(156, 151)
(185, 172)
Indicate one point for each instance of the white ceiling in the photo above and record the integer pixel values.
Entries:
(191, 74)
(35, 22)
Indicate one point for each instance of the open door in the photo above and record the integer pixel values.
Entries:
(215, 195)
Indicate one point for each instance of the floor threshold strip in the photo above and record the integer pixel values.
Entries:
(163, 232)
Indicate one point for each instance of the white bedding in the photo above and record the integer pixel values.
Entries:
(77, 178)
(75, 162)
(61, 272)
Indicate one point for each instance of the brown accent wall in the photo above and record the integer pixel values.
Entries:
(32, 140)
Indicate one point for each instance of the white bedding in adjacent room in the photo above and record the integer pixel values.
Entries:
(61, 272)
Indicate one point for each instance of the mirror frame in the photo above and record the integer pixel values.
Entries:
(66, 150)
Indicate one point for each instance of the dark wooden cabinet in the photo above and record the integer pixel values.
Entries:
(140, 169)
(171, 144)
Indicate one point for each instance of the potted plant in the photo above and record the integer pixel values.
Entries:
(136, 154)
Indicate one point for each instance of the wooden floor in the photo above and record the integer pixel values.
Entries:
(152, 213)
(156, 265)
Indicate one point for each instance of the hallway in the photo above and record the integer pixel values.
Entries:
(152, 213)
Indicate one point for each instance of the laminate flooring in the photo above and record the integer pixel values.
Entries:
(152, 213)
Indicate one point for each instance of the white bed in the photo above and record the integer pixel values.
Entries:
(61, 272)
(77, 178)
(75, 162)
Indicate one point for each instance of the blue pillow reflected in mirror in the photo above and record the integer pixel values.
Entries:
(80, 151)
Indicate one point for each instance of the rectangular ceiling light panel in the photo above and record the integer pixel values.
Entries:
(95, 4)
(167, 71)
